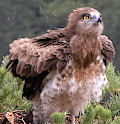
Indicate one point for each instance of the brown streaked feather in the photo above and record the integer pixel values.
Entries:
(61, 65)
(108, 51)
(60, 54)
(18, 67)
(27, 59)
(26, 72)
(38, 66)
(31, 57)
(13, 56)
(22, 67)
(48, 64)
(51, 36)
(33, 60)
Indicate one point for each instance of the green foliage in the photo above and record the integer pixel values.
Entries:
(11, 92)
(114, 105)
(113, 78)
(102, 114)
(116, 120)
(114, 89)
(89, 115)
(96, 115)
(58, 117)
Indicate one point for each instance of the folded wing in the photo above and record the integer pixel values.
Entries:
(32, 59)
(108, 51)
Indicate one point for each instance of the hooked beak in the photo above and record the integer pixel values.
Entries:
(97, 19)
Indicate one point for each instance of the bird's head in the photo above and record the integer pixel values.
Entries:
(86, 21)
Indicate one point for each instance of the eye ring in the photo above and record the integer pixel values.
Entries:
(86, 17)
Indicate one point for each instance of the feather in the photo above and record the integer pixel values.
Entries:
(48, 64)
(13, 56)
(108, 51)
(61, 64)
(27, 59)
(39, 65)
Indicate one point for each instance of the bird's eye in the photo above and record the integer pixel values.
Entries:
(86, 17)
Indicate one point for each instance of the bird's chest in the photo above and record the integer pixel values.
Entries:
(61, 84)
(75, 85)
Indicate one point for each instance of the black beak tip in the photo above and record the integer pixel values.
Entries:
(99, 20)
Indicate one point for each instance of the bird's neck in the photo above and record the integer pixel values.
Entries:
(68, 31)
(85, 50)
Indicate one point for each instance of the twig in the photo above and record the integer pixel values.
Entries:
(23, 120)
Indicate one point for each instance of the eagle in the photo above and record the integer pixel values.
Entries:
(64, 69)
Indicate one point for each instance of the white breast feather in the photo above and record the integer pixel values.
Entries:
(65, 94)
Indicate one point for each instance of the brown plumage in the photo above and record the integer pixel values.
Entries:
(54, 63)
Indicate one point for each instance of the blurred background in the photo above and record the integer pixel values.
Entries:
(30, 18)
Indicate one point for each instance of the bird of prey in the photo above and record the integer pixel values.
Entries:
(64, 69)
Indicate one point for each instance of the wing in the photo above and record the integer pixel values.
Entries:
(32, 59)
(108, 51)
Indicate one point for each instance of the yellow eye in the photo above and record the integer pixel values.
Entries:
(86, 17)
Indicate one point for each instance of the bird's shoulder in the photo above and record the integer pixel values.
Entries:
(31, 56)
